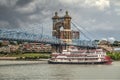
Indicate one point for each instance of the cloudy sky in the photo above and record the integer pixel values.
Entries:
(99, 18)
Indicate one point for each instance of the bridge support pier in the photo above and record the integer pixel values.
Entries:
(56, 48)
(59, 48)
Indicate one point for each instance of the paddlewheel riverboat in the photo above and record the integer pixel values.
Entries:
(74, 56)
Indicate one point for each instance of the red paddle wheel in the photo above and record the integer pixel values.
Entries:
(108, 59)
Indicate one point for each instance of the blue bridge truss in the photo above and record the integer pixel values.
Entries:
(40, 38)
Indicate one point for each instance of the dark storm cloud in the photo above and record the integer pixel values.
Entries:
(23, 2)
(24, 12)
(8, 13)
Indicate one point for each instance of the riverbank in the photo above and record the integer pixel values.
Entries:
(8, 58)
(25, 56)
(15, 58)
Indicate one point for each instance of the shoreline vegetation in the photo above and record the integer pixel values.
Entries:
(114, 55)
(25, 56)
(44, 56)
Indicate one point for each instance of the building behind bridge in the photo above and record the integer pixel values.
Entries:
(35, 47)
(7, 47)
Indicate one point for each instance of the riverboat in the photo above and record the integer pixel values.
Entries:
(74, 56)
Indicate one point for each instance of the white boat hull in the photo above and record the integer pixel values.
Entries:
(82, 62)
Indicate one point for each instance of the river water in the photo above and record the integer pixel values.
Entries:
(40, 70)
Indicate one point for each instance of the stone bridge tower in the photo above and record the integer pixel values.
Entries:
(62, 29)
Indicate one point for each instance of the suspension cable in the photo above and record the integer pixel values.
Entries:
(85, 29)
(81, 31)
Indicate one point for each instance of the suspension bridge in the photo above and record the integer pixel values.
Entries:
(27, 37)
(15, 35)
